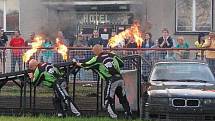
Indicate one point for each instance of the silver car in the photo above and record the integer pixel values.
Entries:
(180, 91)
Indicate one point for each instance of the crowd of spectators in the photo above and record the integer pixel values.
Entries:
(164, 41)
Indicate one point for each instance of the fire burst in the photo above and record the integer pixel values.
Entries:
(61, 48)
(133, 32)
(35, 45)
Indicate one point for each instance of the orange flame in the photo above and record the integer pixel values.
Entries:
(133, 32)
(61, 48)
(35, 45)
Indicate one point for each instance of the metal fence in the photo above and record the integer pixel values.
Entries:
(85, 88)
(10, 62)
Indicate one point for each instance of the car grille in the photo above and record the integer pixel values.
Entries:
(178, 102)
(194, 103)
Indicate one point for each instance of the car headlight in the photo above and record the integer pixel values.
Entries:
(209, 101)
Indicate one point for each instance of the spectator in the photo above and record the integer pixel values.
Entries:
(61, 37)
(80, 41)
(47, 54)
(148, 43)
(210, 55)
(132, 43)
(165, 42)
(31, 39)
(199, 43)
(155, 55)
(16, 54)
(71, 39)
(156, 45)
(3, 38)
(95, 39)
(3, 41)
(183, 45)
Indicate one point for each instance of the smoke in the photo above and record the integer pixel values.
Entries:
(64, 17)
(139, 8)
(60, 17)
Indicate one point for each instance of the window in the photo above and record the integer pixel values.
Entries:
(9, 15)
(193, 15)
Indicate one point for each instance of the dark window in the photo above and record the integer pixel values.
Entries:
(193, 15)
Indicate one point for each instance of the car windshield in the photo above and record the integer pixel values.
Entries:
(182, 72)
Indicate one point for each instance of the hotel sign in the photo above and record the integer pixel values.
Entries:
(95, 18)
(101, 18)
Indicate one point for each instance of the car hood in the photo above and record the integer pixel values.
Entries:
(181, 85)
(182, 89)
(179, 93)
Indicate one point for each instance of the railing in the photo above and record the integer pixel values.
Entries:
(149, 55)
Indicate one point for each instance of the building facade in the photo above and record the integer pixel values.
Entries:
(181, 17)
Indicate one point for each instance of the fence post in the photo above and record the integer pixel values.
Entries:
(74, 83)
(4, 60)
(30, 98)
(97, 97)
(101, 94)
(68, 73)
(139, 82)
(34, 101)
(24, 95)
(202, 54)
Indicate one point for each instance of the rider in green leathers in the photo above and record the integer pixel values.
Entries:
(108, 65)
(51, 77)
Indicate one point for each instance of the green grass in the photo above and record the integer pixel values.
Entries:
(42, 118)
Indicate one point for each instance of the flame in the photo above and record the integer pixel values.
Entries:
(35, 45)
(61, 48)
(133, 32)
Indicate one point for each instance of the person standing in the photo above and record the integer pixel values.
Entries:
(131, 43)
(108, 65)
(3, 41)
(51, 77)
(165, 42)
(61, 37)
(16, 54)
(3, 38)
(198, 44)
(47, 54)
(182, 44)
(96, 39)
(210, 55)
(31, 39)
(148, 43)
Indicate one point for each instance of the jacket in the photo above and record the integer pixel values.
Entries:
(209, 44)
